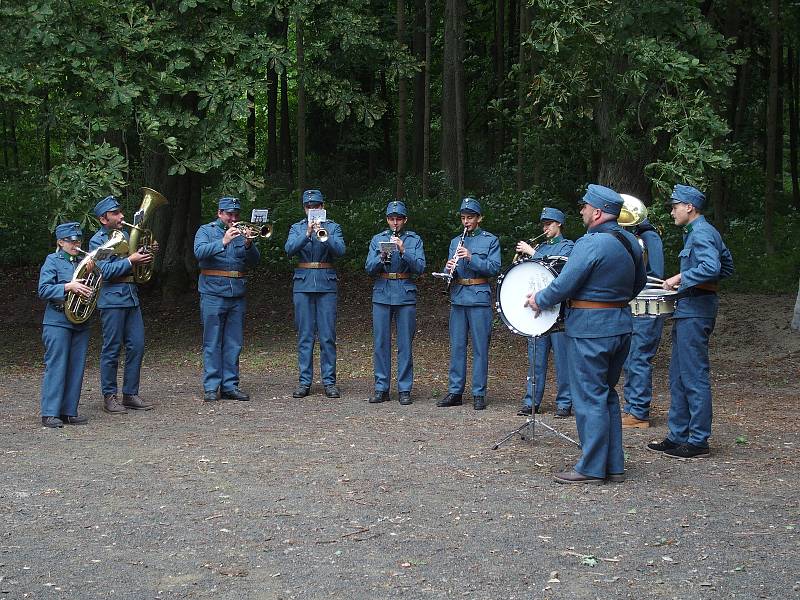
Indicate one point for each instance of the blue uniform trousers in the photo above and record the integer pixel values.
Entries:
(64, 361)
(689, 386)
(537, 370)
(223, 335)
(638, 366)
(595, 367)
(477, 322)
(315, 317)
(121, 326)
(405, 318)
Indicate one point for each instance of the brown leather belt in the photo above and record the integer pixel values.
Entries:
(315, 265)
(126, 279)
(477, 281)
(595, 304)
(395, 275)
(218, 273)
(712, 286)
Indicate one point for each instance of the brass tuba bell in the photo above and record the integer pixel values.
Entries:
(633, 211)
(78, 308)
(142, 238)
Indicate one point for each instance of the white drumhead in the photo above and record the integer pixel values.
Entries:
(512, 289)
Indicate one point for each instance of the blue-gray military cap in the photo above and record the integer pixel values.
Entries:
(604, 198)
(69, 231)
(105, 205)
(552, 214)
(229, 204)
(688, 195)
(470, 205)
(312, 197)
(396, 207)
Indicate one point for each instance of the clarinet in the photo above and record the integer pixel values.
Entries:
(449, 275)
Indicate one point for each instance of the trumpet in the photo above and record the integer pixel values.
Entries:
(387, 258)
(320, 231)
(520, 255)
(252, 231)
(447, 276)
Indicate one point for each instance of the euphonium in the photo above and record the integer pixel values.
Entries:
(252, 231)
(141, 238)
(77, 308)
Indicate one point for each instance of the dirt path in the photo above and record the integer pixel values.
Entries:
(284, 498)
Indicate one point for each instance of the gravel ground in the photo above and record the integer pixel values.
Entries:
(285, 498)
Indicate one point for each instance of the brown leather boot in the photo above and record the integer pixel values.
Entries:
(631, 422)
(134, 402)
(111, 405)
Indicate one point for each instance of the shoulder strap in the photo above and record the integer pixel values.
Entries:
(624, 241)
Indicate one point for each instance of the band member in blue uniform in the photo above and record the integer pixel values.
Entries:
(645, 338)
(314, 294)
(552, 221)
(224, 255)
(603, 273)
(120, 315)
(472, 263)
(705, 260)
(394, 297)
(65, 342)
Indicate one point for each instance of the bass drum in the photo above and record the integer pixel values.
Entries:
(513, 286)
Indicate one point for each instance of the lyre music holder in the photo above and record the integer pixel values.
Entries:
(528, 429)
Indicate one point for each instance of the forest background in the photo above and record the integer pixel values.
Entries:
(518, 102)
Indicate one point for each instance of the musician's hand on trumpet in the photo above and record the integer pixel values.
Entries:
(524, 248)
(399, 243)
(673, 283)
(78, 287)
(531, 302)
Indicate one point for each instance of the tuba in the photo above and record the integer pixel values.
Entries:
(141, 238)
(633, 212)
(77, 308)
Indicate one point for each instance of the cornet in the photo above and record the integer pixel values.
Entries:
(319, 230)
(252, 231)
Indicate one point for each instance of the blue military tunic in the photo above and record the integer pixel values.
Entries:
(222, 303)
(471, 311)
(314, 296)
(704, 260)
(121, 318)
(600, 269)
(539, 347)
(65, 342)
(394, 299)
(646, 336)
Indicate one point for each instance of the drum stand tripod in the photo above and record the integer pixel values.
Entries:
(527, 430)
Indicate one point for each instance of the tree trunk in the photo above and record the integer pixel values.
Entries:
(499, 73)
(301, 110)
(426, 142)
(452, 154)
(418, 106)
(5, 136)
(402, 101)
(47, 160)
(386, 125)
(251, 128)
(272, 122)
(522, 73)
(285, 159)
(796, 318)
(772, 125)
(791, 74)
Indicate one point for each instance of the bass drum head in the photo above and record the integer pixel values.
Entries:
(513, 286)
